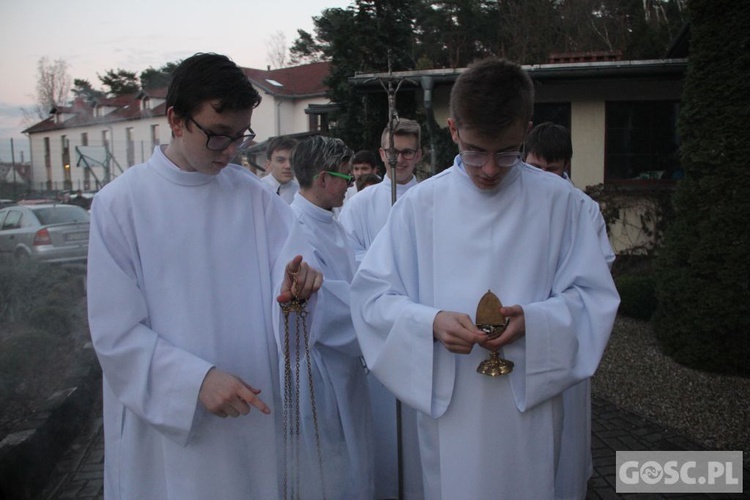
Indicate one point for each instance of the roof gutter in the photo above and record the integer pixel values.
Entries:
(593, 70)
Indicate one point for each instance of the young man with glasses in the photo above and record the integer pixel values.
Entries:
(489, 222)
(363, 216)
(279, 174)
(188, 256)
(322, 166)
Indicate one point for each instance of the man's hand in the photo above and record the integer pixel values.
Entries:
(456, 331)
(515, 330)
(307, 280)
(225, 395)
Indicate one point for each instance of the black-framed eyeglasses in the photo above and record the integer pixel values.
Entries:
(406, 154)
(220, 142)
(476, 159)
(348, 178)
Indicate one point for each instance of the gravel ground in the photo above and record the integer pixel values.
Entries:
(712, 410)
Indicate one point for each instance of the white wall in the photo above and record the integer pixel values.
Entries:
(118, 147)
(281, 116)
(587, 136)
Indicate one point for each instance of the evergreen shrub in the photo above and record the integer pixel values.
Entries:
(637, 297)
(703, 270)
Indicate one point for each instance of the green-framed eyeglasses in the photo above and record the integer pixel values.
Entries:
(348, 178)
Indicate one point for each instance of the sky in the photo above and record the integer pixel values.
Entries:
(94, 36)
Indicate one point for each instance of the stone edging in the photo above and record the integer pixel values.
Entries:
(29, 455)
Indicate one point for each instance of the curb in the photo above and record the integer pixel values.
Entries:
(29, 455)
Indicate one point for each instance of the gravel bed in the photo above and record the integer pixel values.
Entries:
(709, 409)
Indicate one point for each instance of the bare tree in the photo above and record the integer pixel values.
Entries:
(52, 85)
(276, 50)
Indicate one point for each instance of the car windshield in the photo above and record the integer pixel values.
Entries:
(61, 214)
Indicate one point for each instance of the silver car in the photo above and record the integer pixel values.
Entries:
(45, 233)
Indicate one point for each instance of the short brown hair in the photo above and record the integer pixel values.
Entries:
(404, 126)
(491, 95)
(279, 143)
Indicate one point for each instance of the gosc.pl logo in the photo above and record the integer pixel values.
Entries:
(679, 472)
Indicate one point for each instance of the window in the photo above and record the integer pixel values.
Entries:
(130, 146)
(155, 136)
(48, 162)
(13, 220)
(556, 112)
(318, 117)
(65, 144)
(642, 141)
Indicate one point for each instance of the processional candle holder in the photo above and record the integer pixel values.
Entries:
(493, 324)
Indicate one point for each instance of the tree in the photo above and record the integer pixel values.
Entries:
(361, 38)
(419, 34)
(276, 50)
(305, 49)
(82, 89)
(152, 78)
(52, 88)
(703, 273)
(119, 82)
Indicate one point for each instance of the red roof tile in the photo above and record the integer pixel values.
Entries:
(298, 81)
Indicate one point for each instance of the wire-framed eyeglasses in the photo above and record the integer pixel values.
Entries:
(476, 159)
(348, 178)
(220, 142)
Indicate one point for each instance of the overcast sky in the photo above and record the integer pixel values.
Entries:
(94, 36)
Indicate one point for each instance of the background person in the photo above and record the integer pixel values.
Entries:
(367, 180)
(363, 216)
(548, 147)
(364, 163)
(279, 174)
(322, 166)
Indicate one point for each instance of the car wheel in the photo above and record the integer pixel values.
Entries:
(22, 255)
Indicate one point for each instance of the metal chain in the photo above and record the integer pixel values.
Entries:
(287, 395)
(296, 405)
(303, 317)
(291, 401)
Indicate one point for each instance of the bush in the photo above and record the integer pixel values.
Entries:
(53, 320)
(637, 296)
(703, 271)
(20, 359)
(26, 287)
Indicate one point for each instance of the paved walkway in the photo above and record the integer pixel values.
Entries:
(79, 473)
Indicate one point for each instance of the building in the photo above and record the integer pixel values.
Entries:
(622, 116)
(84, 145)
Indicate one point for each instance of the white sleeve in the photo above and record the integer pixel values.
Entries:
(567, 333)
(394, 331)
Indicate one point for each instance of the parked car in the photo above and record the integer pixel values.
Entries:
(45, 232)
(6, 203)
